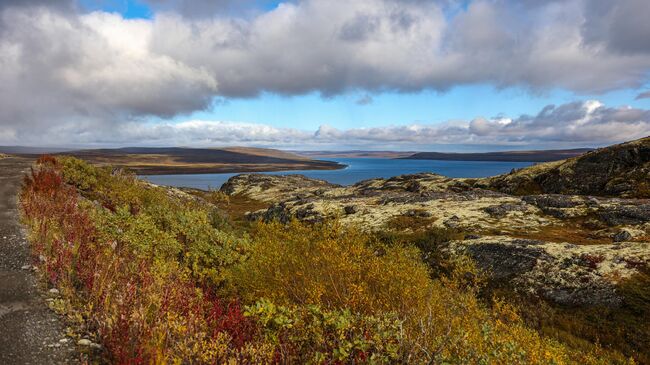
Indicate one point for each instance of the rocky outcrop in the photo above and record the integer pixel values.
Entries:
(622, 170)
(564, 273)
(270, 188)
(571, 249)
(440, 202)
(372, 204)
(625, 213)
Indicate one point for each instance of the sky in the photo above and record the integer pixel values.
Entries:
(426, 75)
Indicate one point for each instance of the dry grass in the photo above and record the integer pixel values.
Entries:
(233, 207)
(574, 230)
(413, 222)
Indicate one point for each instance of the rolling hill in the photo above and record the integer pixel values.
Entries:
(179, 160)
(509, 156)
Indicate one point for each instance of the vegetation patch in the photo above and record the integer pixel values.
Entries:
(156, 278)
(414, 220)
(577, 231)
(231, 210)
(625, 329)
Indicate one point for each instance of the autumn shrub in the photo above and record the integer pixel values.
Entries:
(455, 327)
(331, 266)
(310, 334)
(430, 241)
(79, 173)
(149, 274)
(142, 283)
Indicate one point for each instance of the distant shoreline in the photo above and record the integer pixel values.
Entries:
(506, 156)
(182, 160)
(230, 169)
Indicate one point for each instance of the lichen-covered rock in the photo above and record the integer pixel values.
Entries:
(565, 273)
(551, 201)
(443, 202)
(271, 188)
(622, 236)
(623, 213)
(621, 170)
(501, 210)
(495, 223)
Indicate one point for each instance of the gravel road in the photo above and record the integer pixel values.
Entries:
(29, 332)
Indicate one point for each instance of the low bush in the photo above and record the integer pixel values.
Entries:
(331, 266)
(309, 334)
(141, 282)
(148, 272)
(430, 242)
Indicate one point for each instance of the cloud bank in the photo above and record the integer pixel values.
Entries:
(65, 71)
(577, 124)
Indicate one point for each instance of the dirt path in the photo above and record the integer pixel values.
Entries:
(29, 332)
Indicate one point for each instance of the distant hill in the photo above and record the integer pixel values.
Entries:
(179, 160)
(619, 170)
(355, 154)
(509, 156)
(21, 150)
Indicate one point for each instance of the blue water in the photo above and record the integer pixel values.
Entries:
(358, 169)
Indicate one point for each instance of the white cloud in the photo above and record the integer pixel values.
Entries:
(64, 71)
(56, 69)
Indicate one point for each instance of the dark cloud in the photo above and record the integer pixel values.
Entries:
(208, 8)
(29, 3)
(620, 25)
(365, 100)
(643, 95)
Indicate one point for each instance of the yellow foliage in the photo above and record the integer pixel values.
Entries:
(331, 266)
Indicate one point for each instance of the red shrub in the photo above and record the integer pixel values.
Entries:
(46, 160)
(129, 301)
(230, 319)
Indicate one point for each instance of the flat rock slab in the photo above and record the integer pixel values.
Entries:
(29, 331)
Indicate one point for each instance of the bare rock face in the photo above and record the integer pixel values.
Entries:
(622, 236)
(501, 210)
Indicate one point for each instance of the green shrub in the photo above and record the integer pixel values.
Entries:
(309, 334)
(78, 173)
